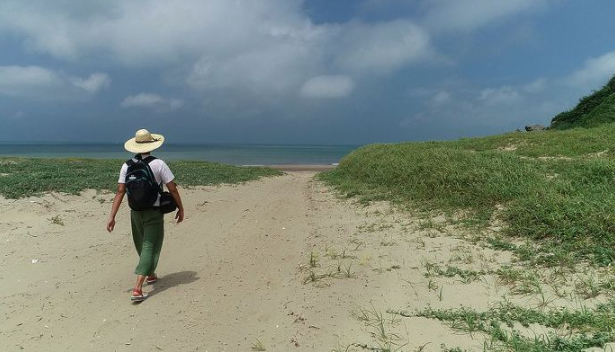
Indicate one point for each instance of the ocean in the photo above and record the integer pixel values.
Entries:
(234, 154)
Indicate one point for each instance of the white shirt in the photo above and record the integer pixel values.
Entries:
(161, 171)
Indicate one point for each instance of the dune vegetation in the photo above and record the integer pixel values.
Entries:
(22, 177)
(555, 187)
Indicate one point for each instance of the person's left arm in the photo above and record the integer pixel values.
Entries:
(167, 177)
(172, 187)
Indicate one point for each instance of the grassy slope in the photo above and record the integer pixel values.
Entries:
(593, 110)
(556, 187)
(21, 177)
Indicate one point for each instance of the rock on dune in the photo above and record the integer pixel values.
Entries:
(531, 128)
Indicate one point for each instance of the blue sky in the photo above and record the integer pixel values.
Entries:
(291, 71)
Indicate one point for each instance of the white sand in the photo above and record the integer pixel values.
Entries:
(232, 274)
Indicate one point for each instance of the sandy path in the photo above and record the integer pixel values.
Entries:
(237, 271)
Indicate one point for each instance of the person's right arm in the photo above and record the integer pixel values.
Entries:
(119, 195)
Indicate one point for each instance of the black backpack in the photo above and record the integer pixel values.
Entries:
(141, 185)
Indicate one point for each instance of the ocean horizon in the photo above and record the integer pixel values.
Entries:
(234, 154)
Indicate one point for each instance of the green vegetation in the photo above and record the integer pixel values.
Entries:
(555, 187)
(465, 276)
(379, 326)
(583, 328)
(258, 346)
(339, 270)
(22, 177)
(593, 110)
(57, 220)
(201, 173)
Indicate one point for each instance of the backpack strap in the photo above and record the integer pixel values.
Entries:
(137, 158)
(149, 159)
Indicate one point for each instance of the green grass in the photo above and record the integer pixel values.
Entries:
(582, 329)
(556, 188)
(466, 276)
(23, 177)
(592, 110)
(380, 327)
(258, 346)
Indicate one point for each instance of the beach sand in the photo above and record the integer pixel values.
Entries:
(280, 263)
(303, 167)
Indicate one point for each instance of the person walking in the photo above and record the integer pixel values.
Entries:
(146, 220)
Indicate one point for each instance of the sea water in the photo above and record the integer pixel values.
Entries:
(235, 154)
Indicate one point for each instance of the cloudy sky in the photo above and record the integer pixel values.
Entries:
(292, 71)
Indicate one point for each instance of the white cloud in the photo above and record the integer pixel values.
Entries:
(153, 32)
(152, 101)
(472, 112)
(498, 96)
(92, 84)
(260, 49)
(327, 87)
(28, 80)
(537, 86)
(39, 83)
(273, 68)
(595, 72)
(466, 15)
(498, 109)
(381, 47)
(441, 98)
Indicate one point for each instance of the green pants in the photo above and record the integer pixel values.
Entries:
(147, 234)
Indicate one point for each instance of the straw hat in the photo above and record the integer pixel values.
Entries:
(144, 142)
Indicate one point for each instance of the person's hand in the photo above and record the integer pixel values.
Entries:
(179, 217)
(110, 224)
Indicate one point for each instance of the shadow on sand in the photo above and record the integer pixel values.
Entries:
(172, 280)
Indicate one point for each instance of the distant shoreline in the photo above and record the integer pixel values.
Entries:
(281, 167)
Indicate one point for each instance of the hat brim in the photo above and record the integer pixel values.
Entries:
(132, 146)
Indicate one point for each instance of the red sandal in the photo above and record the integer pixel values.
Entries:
(138, 296)
(151, 279)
